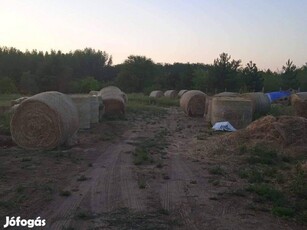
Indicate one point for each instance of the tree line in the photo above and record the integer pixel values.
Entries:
(80, 71)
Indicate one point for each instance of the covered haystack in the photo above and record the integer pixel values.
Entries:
(236, 110)
(181, 92)
(171, 93)
(285, 130)
(227, 94)
(156, 94)
(261, 102)
(193, 103)
(44, 121)
(113, 90)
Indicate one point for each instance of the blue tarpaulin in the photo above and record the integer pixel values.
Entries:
(274, 96)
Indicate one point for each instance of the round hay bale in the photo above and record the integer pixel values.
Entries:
(156, 94)
(83, 105)
(208, 109)
(260, 101)
(236, 110)
(193, 103)
(227, 94)
(181, 92)
(44, 121)
(93, 93)
(113, 90)
(114, 104)
(170, 93)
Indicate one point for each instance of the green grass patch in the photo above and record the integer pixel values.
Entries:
(279, 110)
(141, 156)
(5, 99)
(5, 119)
(217, 170)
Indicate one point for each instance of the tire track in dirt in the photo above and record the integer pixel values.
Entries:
(110, 186)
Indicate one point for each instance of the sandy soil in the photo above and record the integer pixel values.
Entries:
(104, 183)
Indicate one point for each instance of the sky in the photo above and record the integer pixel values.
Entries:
(267, 32)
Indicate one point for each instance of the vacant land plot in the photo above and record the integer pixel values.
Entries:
(156, 168)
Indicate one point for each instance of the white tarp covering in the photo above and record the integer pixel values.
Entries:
(223, 126)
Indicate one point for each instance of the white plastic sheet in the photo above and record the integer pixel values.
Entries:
(223, 126)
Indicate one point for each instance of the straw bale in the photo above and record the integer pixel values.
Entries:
(113, 104)
(170, 93)
(260, 101)
(44, 121)
(181, 92)
(156, 94)
(193, 103)
(236, 110)
(83, 105)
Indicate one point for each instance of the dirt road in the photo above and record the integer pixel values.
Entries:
(172, 192)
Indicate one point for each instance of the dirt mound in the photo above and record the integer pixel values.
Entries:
(285, 130)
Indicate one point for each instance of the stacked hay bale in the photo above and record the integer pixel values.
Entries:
(181, 92)
(260, 101)
(193, 103)
(44, 121)
(114, 100)
(83, 105)
(236, 110)
(156, 94)
(170, 93)
(299, 103)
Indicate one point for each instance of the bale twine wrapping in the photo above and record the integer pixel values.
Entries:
(94, 102)
(181, 92)
(208, 109)
(227, 94)
(193, 103)
(170, 93)
(236, 110)
(44, 121)
(113, 90)
(83, 105)
(156, 94)
(260, 101)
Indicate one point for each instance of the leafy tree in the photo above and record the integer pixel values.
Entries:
(271, 81)
(225, 73)
(137, 73)
(28, 84)
(85, 85)
(302, 77)
(252, 78)
(289, 76)
(7, 86)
